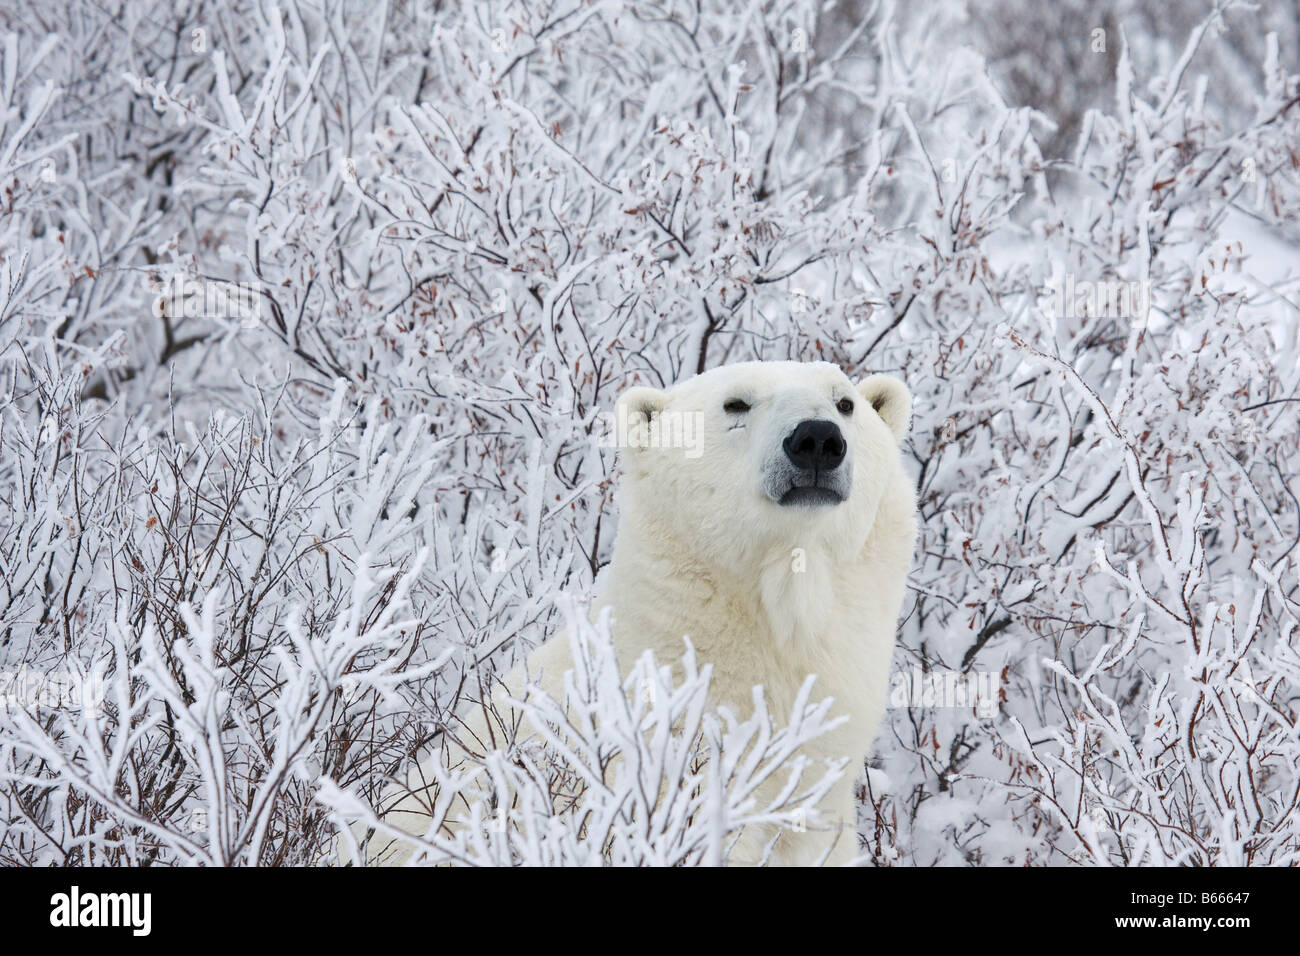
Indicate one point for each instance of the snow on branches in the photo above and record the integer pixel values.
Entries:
(311, 318)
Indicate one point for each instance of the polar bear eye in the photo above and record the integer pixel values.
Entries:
(735, 406)
(845, 406)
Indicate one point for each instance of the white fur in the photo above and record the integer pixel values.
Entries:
(768, 593)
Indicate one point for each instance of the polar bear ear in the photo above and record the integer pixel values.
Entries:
(635, 411)
(891, 400)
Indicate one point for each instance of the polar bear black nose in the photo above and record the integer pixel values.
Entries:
(814, 444)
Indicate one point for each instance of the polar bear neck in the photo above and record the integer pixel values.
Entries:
(663, 586)
(797, 593)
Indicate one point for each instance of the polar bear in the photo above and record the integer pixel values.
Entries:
(766, 514)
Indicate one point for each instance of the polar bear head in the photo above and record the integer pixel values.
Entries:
(757, 457)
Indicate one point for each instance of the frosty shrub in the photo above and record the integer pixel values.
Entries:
(630, 768)
(312, 314)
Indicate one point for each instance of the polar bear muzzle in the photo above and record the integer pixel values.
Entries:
(813, 472)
